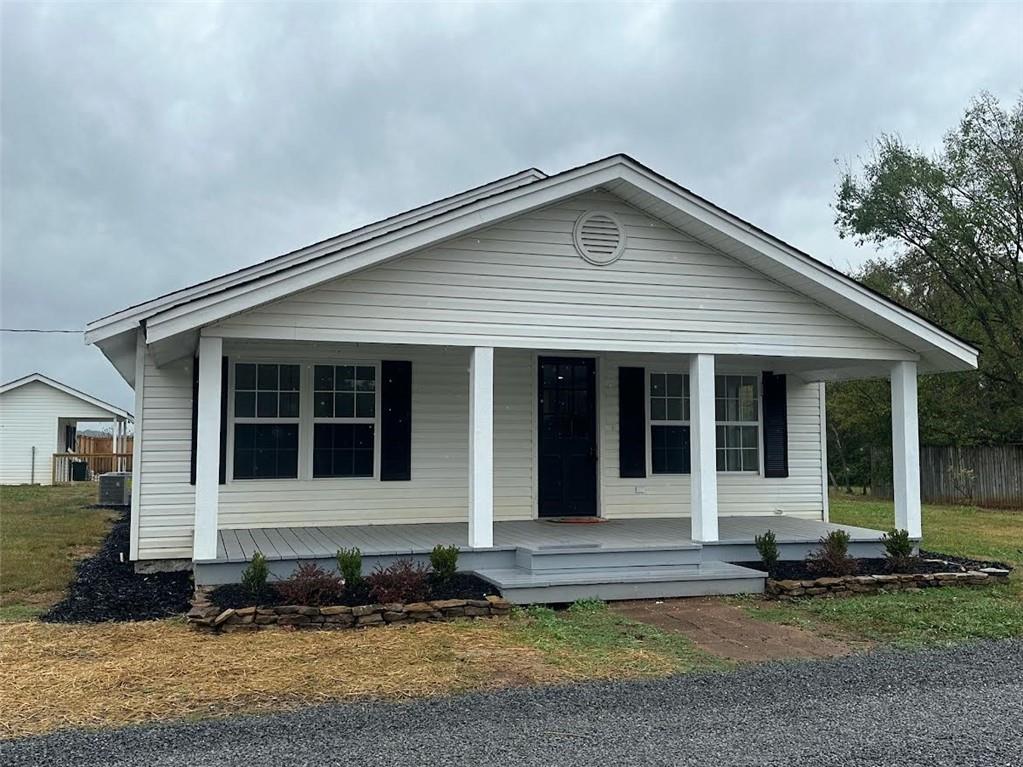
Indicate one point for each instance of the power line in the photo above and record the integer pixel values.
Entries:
(36, 330)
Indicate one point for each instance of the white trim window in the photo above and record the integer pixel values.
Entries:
(344, 420)
(266, 420)
(737, 415)
(669, 423)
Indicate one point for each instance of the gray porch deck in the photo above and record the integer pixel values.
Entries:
(735, 532)
(546, 561)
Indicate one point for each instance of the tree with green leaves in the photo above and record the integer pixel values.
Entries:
(954, 221)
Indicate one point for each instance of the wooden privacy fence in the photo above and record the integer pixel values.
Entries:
(84, 467)
(985, 476)
(98, 445)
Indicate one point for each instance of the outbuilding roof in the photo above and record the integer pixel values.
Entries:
(88, 398)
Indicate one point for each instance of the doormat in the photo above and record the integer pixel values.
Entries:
(577, 520)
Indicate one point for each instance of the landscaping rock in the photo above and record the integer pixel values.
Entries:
(364, 610)
(448, 604)
(336, 610)
(868, 584)
(416, 608)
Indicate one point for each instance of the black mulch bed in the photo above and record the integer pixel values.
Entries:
(462, 586)
(106, 589)
(798, 571)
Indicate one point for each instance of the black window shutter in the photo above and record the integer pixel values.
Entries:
(195, 417)
(223, 419)
(776, 426)
(395, 421)
(631, 422)
(224, 367)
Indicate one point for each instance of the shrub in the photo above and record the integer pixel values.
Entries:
(767, 545)
(404, 581)
(311, 585)
(349, 564)
(444, 561)
(833, 556)
(897, 547)
(254, 576)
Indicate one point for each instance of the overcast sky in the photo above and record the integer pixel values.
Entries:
(149, 147)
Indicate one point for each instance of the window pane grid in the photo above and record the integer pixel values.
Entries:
(669, 398)
(344, 416)
(343, 450)
(737, 413)
(267, 438)
(266, 391)
(344, 392)
(669, 418)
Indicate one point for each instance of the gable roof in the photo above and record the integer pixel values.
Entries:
(53, 383)
(189, 309)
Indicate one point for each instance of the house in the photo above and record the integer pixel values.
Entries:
(497, 368)
(39, 419)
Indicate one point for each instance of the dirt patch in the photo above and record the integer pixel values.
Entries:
(727, 631)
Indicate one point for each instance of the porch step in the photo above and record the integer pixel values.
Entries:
(521, 586)
(544, 558)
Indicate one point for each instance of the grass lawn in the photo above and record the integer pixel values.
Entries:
(934, 616)
(43, 531)
(963, 530)
(58, 676)
(105, 675)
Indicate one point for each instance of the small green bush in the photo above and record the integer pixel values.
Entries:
(254, 576)
(349, 564)
(832, 559)
(897, 547)
(767, 545)
(444, 561)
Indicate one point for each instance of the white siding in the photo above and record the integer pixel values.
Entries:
(166, 497)
(522, 284)
(665, 495)
(437, 492)
(29, 418)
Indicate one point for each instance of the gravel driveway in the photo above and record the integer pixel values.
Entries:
(956, 707)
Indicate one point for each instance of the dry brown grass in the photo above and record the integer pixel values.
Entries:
(57, 676)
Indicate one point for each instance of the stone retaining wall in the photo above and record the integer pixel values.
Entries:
(208, 617)
(869, 584)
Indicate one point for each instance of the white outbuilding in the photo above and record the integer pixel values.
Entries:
(39, 418)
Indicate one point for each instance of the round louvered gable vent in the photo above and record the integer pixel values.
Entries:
(599, 237)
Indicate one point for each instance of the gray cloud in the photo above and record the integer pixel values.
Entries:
(149, 147)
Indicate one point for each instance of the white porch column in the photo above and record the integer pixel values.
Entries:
(207, 449)
(481, 447)
(703, 442)
(906, 449)
(113, 446)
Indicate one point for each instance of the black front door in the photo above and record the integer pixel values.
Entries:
(568, 437)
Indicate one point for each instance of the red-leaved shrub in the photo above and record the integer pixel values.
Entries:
(312, 586)
(404, 581)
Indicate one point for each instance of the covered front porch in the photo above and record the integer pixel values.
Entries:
(558, 474)
(626, 557)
